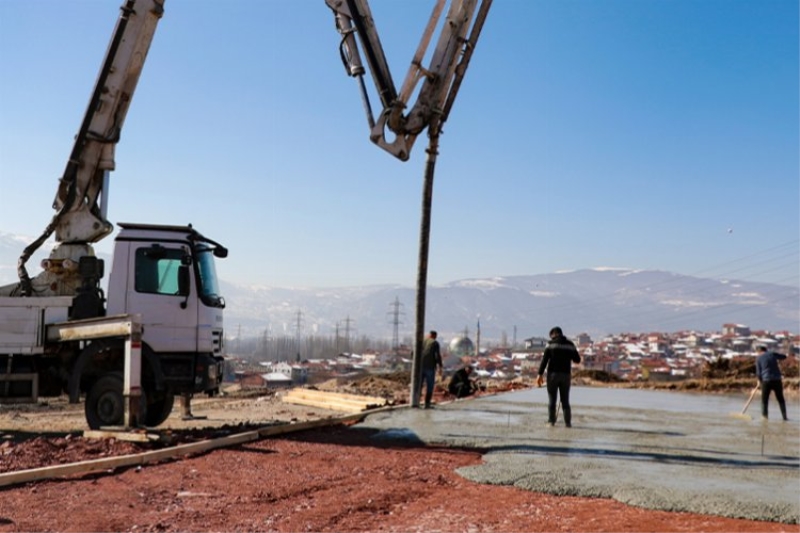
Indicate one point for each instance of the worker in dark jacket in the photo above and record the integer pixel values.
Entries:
(461, 384)
(558, 357)
(770, 378)
(431, 360)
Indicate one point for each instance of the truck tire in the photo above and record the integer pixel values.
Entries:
(105, 403)
(159, 407)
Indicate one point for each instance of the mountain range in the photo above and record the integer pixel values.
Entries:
(597, 301)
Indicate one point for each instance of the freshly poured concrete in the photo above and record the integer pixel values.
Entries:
(658, 450)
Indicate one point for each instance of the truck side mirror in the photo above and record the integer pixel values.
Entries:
(184, 281)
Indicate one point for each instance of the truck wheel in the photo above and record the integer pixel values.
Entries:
(159, 407)
(105, 404)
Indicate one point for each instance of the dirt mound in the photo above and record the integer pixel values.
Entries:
(394, 387)
(791, 386)
(597, 375)
(745, 368)
(721, 368)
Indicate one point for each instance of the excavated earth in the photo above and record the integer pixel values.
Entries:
(335, 478)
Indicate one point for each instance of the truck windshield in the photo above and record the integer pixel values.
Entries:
(207, 274)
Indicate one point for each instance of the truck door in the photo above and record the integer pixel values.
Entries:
(163, 291)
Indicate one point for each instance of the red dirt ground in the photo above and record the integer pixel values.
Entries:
(332, 479)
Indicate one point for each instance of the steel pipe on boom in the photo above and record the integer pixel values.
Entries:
(441, 80)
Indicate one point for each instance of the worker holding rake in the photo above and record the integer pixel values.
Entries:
(769, 376)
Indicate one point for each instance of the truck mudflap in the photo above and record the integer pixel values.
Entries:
(220, 364)
(212, 375)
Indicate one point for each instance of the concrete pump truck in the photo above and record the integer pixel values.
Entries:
(158, 332)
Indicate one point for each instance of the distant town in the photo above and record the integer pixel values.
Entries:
(628, 356)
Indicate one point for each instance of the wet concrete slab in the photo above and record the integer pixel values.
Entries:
(658, 450)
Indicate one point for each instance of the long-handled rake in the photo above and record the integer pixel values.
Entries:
(743, 414)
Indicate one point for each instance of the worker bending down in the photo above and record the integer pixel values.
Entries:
(461, 385)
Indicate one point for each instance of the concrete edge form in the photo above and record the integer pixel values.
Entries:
(108, 464)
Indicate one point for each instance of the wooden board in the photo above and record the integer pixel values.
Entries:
(130, 436)
(351, 403)
(109, 464)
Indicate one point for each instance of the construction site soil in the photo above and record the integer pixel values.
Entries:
(332, 478)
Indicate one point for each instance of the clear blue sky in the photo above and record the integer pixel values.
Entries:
(650, 134)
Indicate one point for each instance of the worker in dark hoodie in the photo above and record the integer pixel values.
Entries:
(559, 354)
(770, 378)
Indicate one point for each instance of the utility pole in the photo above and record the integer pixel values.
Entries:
(265, 340)
(298, 328)
(478, 338)
(239, 341)
(347, 334)
(395, 313)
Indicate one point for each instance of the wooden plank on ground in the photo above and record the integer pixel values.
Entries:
(311, 424)
(327, 397)
(332, 400)
(324, 404)
(109, 464)
(130, 436)
(374, 400)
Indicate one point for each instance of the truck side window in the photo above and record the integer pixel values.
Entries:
(157, 270)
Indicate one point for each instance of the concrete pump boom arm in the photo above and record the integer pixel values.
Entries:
(82, 195)
(81, 217)
(440, 80)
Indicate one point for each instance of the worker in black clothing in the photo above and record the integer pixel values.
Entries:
(431, 360)
(770, 378)
(461, 385)
(559, 354)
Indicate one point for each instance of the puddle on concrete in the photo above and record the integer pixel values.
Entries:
(647, 399)
(500, 417)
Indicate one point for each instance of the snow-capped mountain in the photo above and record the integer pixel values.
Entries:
(595, 301)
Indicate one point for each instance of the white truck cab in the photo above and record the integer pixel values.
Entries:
(168, 275)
